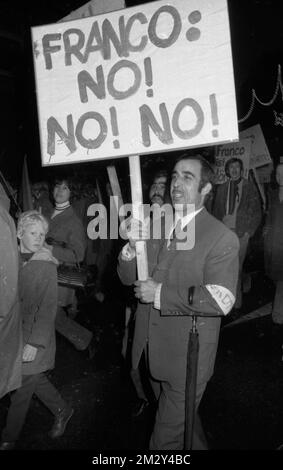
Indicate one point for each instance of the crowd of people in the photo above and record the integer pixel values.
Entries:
(210, 233)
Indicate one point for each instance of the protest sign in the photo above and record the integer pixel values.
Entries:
(259, 151)
(94, 7)
(151, 78)
(224, 153)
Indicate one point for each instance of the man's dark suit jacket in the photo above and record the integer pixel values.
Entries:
(212, 260)
(249, 213)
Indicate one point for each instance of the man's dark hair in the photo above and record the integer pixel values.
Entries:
(160, 174)
(233, 160)
(163, 173)
(207, 174)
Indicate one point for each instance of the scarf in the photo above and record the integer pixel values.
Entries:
(60, 208)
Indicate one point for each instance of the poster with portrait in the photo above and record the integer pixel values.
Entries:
(225, 153)
(260, 155)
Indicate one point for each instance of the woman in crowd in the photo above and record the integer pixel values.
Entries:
(38, 300)
(67, 240)
(273, 243)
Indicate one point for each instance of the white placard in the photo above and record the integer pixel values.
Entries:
(151, 78)
(259, 151)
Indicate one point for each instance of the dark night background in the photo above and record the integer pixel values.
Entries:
(257, 43)
(242, 406)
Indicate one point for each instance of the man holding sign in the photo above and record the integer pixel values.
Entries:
(207, 261)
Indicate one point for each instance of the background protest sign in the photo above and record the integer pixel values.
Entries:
(224, 153)
(259, 151)
(152, 78)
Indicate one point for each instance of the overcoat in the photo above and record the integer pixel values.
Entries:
(38, 297)
(10, 321)
(212, 259)
(68, 228)
(249, 213)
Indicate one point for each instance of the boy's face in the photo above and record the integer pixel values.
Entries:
(32, 238)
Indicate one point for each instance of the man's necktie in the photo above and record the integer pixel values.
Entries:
(176, 230)
(233, 196)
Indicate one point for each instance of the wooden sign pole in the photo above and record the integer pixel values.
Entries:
(136, 189)
(115, 187)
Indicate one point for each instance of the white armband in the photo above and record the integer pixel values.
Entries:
(224, 298)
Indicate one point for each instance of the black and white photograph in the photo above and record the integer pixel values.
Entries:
(141, 246)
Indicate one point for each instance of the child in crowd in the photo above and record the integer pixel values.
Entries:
(38, 298)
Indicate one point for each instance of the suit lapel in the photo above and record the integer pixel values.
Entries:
(167, 255)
